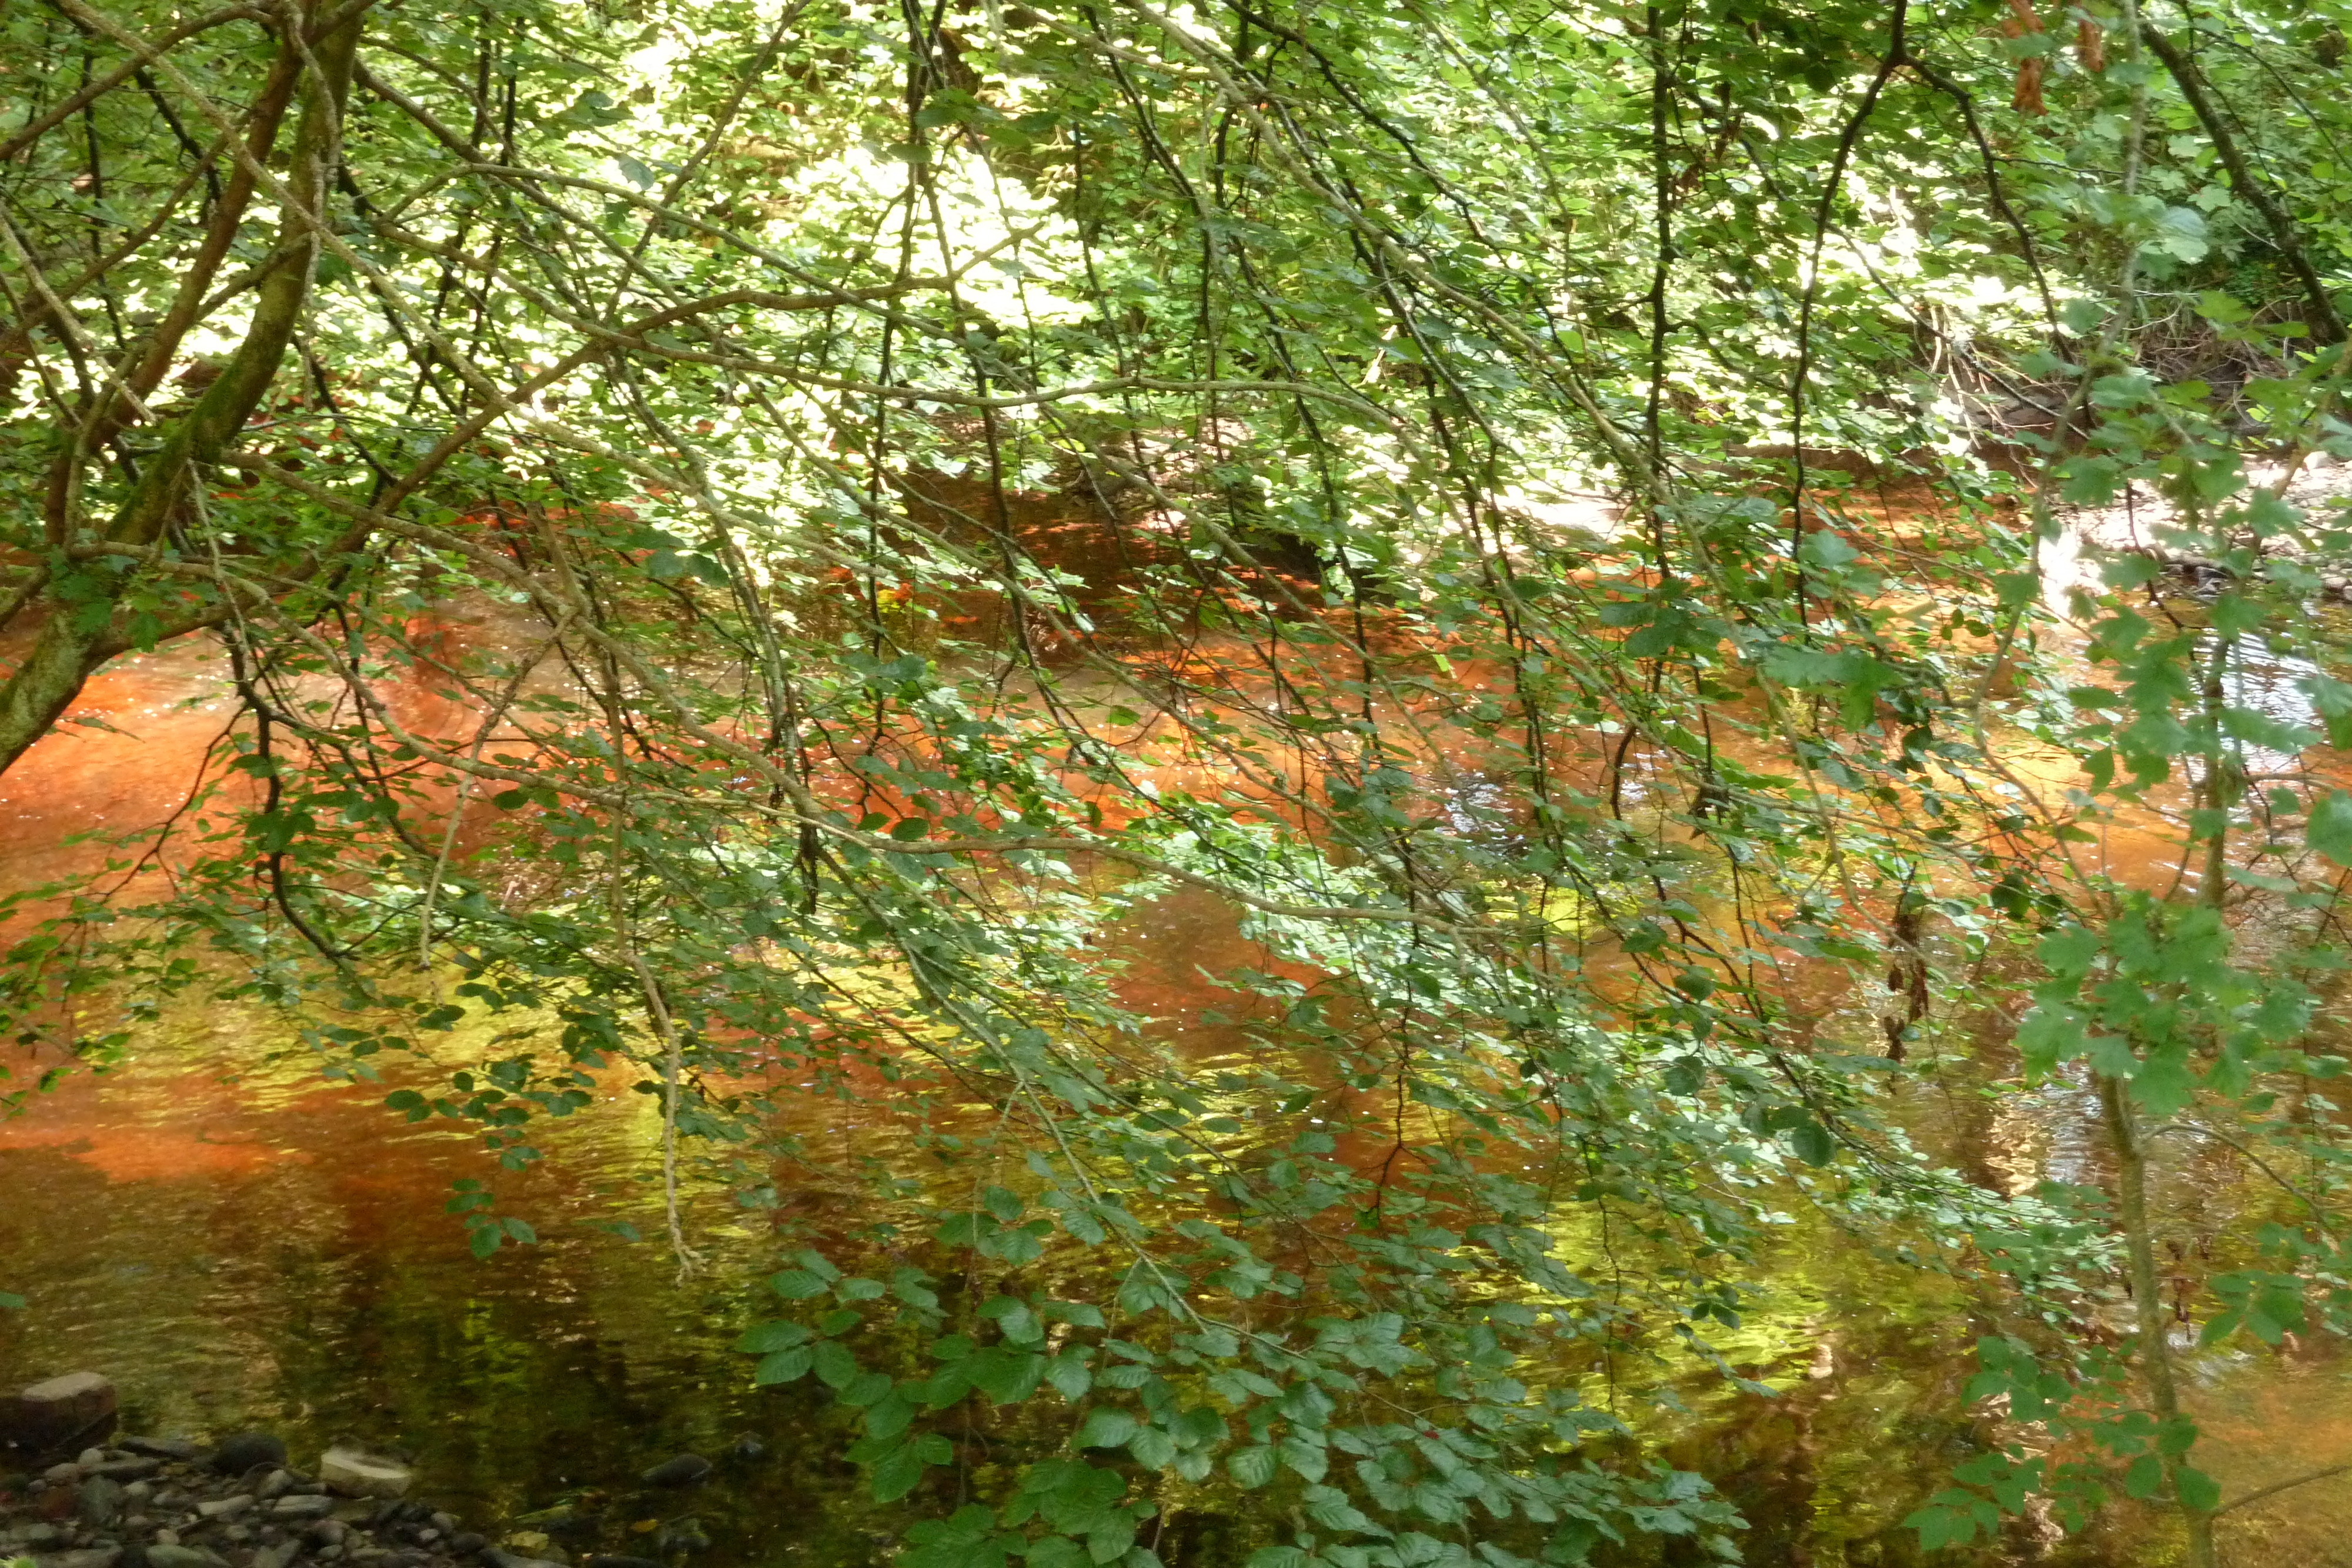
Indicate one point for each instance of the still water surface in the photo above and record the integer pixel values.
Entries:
(240, 1244)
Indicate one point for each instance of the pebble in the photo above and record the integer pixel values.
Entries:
(683, 1535)
(308, 1505)
(101, 1501)
(86, 1557)
(246, 1451)
(124, 1470)
(358, 1473)
(684, 1471)
(182, 1448)
(173, 1555)
(497, 1559)
(174, 1502)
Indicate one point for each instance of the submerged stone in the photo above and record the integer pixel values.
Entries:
(684, 1471)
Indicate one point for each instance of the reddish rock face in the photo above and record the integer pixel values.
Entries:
(47, 1415)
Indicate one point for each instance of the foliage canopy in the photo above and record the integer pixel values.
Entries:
(757, 539)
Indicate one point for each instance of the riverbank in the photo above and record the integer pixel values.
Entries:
(245, 1501)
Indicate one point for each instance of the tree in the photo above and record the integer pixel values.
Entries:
(726, 353)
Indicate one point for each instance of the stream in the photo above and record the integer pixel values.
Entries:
(238, 1244)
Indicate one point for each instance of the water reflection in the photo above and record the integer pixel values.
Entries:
(253, 1247)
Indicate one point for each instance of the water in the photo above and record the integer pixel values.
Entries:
(240, 1244)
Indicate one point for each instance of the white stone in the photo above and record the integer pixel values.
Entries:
(355, 1472)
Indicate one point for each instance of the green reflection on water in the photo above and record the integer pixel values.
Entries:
(241, 1246)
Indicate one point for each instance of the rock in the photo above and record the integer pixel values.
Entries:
(566, 1522)
(682, 1471)
(683, 1535)
(228, 1508)
(614, 1560)
(330, 1532)
(171, 1555)
(748, 1446)
(161, 1448)
(88, 1557)
(53, 1413)
(307, 1505)
(497, 1559)
(35, 1536)
(467, 1543)
(63, 1475)
(248, 1450)
(277, 1556)
(355, 1472)
(101, 1501)
(124, 1470)
(90, 1456)
(274, 1484)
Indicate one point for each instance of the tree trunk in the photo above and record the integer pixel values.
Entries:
(2154, 1353)
(77, 633)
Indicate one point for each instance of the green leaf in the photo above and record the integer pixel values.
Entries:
(784, 1366)
(1070, 1375)
(1329, 1507)
(898, 1473)
(835, 1366)
(797, 1285)
(2329, 829)
(761, 1338)
(1253, 1467)
(1105, 1428)
(1952, 1517)
(1813, 1143)
(1007, 1375)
